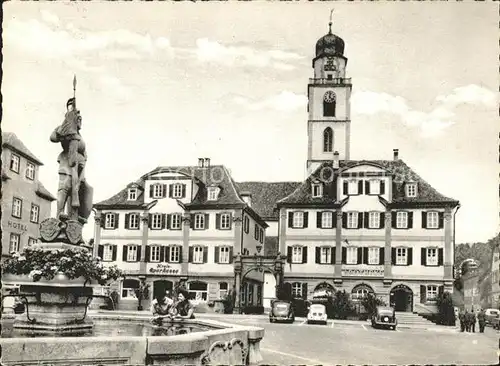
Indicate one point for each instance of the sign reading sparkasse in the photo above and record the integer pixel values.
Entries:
(163, 269)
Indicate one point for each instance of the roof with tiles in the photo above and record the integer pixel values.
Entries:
(215, 175)
(400, 172)
(44, 193)
(266, 194)
(9, 139)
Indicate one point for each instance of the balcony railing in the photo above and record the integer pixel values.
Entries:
(332, 81)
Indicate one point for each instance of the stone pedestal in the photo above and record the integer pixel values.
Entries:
(57, 306)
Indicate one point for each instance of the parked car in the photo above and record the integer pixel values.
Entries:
(317, 314)
(384, 317)
(490, 315)
(281, 311)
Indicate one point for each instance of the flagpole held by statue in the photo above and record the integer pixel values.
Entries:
(74, 194)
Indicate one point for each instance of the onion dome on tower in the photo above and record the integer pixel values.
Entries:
(330, 45)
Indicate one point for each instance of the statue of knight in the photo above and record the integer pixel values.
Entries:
(74, 195)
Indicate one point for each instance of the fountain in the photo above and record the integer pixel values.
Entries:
(56, 279)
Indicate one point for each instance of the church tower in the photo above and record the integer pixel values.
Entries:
(329, 96)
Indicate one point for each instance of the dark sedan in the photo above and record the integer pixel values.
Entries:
(384, 317)
(281, 311)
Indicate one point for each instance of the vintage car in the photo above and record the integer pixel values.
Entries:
(491, 316)
(317, 314)
(384, 317)
(281, 311)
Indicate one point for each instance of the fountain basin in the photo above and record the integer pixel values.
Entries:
(209, 342)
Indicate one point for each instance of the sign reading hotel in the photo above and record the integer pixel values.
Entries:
(163, 269)
(369, 272)
(17, 225)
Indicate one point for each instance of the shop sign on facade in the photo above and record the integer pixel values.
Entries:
(17, 226)
(374, 271)
(162, 269)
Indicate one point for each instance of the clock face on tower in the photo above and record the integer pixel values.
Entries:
(329, 97)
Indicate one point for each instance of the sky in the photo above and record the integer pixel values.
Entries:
(164, 83)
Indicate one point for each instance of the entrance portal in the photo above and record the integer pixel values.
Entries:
(160, 286)
(402, 298)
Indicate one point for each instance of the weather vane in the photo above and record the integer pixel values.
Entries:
(330, 24)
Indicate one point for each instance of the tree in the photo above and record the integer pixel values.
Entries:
(370, 303)
(446, 311)
(342, 305)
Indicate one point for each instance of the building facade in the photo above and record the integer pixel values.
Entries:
(25, 201)
(180, 224)
(494, 298)
(367, 226)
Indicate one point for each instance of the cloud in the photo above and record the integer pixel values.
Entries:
(215, 52)
(112, 83)
(49, 17)
(430, 123)
(472, 94)
(284, 102)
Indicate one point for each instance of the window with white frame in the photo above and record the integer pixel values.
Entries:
(132, 194)
(374, 220)
(373, 256)
(411, 190)
(432, 293)
(360, 292)
(175, 221)
(109, 221)
(325, 255)
(296, 254)
(15, 240)
(223, 289)
(175, 254)
(432, 256)
(30, 171)
(132, 253)
(14, 163)
(317, 190)
(296, 289)
(158, 190)
(327, 219)
(213, 193)
(432, 220)
(224, 255)
(177, 190)
(352, 220)
(133, 221)
(225, 221)
(401, 256)
(156, 221)
(374, 186)
(17, 207)
(197, 254)
(352, 187)
(352, 255)
(107, 253)
(198, 291)
(401, 220)
(199, 221)
(34, 213)
(128, 289)
(32, 241)
(154, 253)
(298, 219)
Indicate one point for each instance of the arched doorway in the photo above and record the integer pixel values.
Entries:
(324, 289)
(160, 286)
(401, 298)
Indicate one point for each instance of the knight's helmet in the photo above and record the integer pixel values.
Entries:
(71, 103)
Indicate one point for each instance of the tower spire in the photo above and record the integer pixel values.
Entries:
(330, 23)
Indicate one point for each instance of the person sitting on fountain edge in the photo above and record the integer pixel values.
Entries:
(183, 308)
(161, 308)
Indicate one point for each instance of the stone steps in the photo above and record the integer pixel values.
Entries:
(412, 319)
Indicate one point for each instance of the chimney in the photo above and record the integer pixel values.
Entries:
(201, 162)
(207, 162)
(335, 164)
(247, 197)
(396, 154)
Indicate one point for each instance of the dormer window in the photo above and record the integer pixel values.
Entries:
(132, 194)
(411, 190)
(317, 190)
(213, 193)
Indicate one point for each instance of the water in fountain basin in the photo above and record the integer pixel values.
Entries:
(112, 328)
